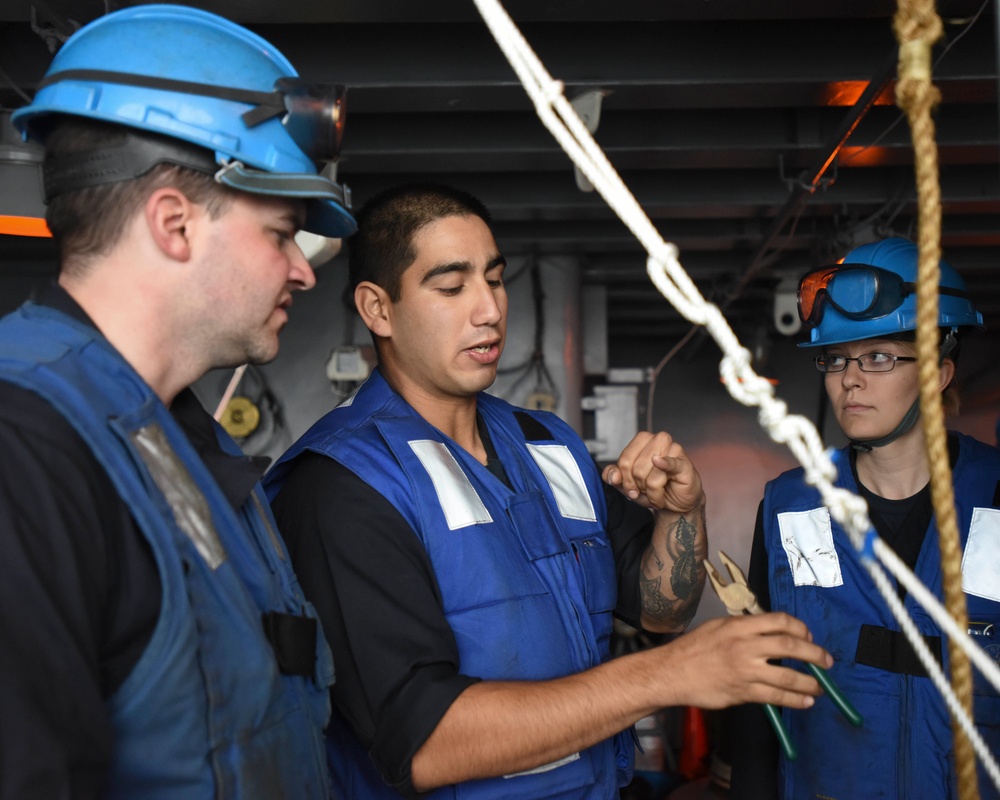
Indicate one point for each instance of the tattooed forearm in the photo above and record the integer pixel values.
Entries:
(675, 614)
(677, 607)
(653, 601)
(684, 575)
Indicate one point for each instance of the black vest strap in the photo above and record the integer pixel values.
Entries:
(891, 651)
(533, 430)
(293, 640)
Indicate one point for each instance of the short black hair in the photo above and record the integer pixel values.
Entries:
(382, 248)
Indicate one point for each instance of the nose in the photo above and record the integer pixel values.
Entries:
(490, 305)
(301, 275)
(852, 375)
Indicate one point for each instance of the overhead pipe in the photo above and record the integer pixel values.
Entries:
(810, 179)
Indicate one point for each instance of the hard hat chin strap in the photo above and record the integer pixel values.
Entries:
(137, 153)
(907, 422)
(132, 157)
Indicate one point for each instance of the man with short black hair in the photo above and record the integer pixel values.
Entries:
(465, 556)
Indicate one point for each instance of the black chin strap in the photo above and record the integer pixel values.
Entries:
(907, 422)
(130, 158)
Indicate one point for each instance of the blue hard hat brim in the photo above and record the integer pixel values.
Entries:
(327, 218)
(887, 326)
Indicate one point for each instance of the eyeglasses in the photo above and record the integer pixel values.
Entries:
(857, 291)
(869, 362)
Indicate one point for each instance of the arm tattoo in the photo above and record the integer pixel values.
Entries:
(685, 578)
(684, 575)
(678, 613)
(653, 601)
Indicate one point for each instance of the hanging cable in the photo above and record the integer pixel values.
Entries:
(968, 24)
(10, 82)
(655, 374)
(535, 363)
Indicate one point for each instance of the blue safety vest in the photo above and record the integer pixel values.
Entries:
(526, 575)
(206, 712)
(904, 749)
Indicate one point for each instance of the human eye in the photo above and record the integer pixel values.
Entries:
(878, 359)
(494, 273)
(830, 363)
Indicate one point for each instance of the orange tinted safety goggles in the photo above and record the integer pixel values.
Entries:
(856, 291)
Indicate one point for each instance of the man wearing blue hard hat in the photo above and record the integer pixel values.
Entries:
(862, 316)
(154, 641)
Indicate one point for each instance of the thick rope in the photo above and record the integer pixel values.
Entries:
(795, 431)
(917, 27)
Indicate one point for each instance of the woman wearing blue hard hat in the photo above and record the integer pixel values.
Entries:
(154, 641)
(862, 317)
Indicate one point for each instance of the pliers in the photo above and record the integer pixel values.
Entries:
(739, 600)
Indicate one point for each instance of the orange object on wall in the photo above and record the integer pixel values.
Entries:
(693, 760)
(24, 226)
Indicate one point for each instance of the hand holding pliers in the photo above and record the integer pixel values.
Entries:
(739, 599)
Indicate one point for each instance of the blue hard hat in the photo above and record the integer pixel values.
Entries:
(873, 294)
(193, 76)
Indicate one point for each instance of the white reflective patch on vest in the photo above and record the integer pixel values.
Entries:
(981, 562)
(546, 767)
(565, 479)
(456, 495)
(349, 400)
(807, 537)
(186, 500)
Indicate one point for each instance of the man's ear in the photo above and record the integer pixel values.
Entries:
(169, 214)
(374, 305)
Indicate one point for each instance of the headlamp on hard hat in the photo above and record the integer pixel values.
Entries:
(315, 117)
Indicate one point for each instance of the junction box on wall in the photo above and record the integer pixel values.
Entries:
(616, 418)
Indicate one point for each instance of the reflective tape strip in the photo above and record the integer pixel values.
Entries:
(565, 479)
(981, 562)
(546, 767)
(275, 543)
(186, 501)
(349, 400)
(458, 499)
(807, 537)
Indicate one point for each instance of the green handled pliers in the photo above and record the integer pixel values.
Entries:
(739, 600)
